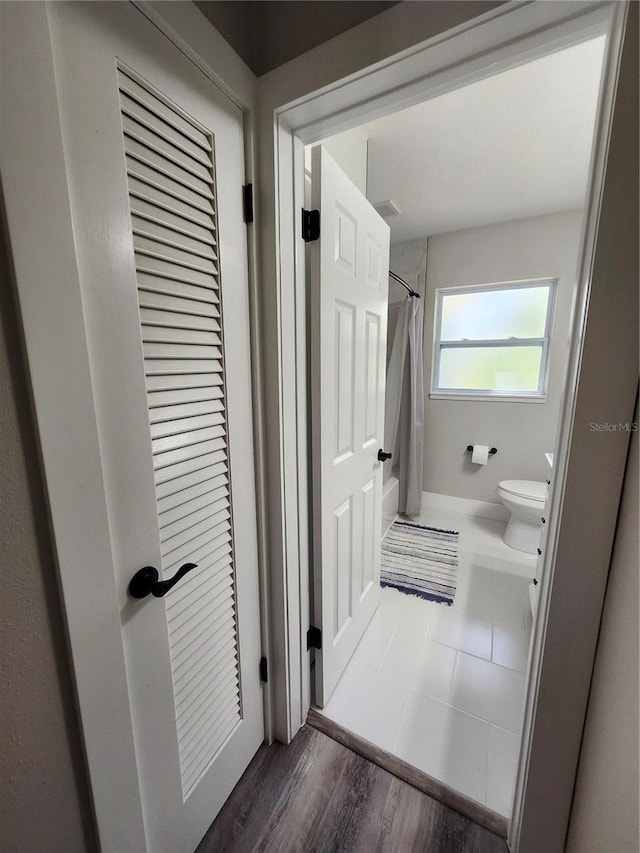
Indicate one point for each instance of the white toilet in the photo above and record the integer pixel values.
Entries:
(525, 500)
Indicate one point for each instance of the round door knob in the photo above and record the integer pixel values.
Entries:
(382, 456)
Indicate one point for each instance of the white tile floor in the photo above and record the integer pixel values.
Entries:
(443, 687)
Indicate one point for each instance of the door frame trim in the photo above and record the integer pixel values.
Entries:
(38, 213)
(506, 36)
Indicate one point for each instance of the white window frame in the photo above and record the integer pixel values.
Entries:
(537, 396)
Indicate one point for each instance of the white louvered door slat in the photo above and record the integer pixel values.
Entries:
(157, 144)
(163, 319)
(146, 229)
(172, 506)
(218, 564)
(160, 415)
(164, 296)
(145, 184)
(214, 502)
(167, 167)
(153, 267)
(172, 480)
(161, 334)
(184, 425)
(210, 531)
(176, 289)
(161, 399)
(165, 248)
(218, 610)
(132, 91)
(173, 360)
(167, 464)
(165, 128)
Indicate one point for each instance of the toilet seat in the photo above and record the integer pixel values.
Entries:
(532, 490)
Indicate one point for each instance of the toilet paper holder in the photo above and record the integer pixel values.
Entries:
(492, 451)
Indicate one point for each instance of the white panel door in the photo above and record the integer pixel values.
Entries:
(349, 283)
(155, 156)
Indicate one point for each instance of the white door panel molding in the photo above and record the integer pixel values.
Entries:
(349, 293)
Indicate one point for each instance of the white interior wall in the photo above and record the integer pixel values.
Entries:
(595, 465)
(605, 807)
(541, 247)
(408, 260)
(350, 151)
(44, 799)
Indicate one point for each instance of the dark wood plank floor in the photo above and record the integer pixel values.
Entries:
(317, 796)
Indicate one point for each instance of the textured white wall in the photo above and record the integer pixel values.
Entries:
(44, 806)
(605, 808)
(544, 246)
(408, 260)
(349, 150)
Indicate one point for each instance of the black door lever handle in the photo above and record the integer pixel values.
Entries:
(146, 581)
(382, 456)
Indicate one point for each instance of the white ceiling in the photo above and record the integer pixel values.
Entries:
(511, 146)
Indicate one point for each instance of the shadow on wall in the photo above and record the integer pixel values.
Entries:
(41, 759)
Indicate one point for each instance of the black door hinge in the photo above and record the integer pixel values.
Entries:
(247, 202)
(264, 672)
(310, 225)
(314, 638)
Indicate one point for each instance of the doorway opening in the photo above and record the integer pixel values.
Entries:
(484, 189)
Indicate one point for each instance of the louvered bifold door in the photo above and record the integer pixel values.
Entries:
(171, 180)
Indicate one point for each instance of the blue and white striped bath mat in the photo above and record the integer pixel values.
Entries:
(420, 561)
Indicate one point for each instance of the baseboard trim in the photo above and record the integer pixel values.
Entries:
(465, 506)
(427, 784)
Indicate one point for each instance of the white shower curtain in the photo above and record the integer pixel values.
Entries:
(404, 404)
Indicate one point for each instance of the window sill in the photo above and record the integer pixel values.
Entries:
(488, 398)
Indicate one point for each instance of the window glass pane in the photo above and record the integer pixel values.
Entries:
(495, 314)
(490, 368)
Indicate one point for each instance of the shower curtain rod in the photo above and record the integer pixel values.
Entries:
(403, 283)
